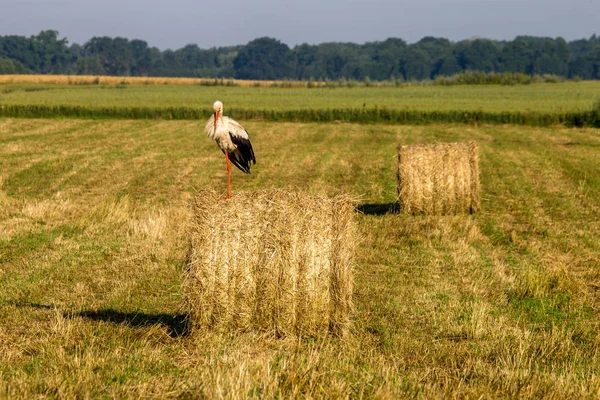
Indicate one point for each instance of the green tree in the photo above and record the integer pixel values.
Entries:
(551, 56)
(477, 55)
(421, 58)
(307, 60)
(518, 55)
(267, 58)
(90, 65)
(10, 66)
(447, 66)
(142, 58)
(417, 64)
(52, 53)
(115, 56)
(384, 58)
(19, 48)
(594, 60)
(264, 58)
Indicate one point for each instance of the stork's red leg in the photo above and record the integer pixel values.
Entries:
(228, 176)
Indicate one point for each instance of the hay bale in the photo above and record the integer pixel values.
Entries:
(271, 261)
(442, 178)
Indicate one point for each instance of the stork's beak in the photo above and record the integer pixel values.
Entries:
(215, 120)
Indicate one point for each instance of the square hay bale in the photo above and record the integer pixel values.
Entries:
(442, 178)
(271, 261)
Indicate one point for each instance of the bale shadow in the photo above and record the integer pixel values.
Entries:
(175, 323)
(378, 209)
(22, 304)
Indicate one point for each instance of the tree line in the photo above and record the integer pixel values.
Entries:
(269, 59)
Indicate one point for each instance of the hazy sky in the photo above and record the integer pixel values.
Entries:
(175, 23)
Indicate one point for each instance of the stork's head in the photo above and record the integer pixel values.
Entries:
(218, 107)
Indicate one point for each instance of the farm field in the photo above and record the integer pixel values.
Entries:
(93, 221)
(538, 98)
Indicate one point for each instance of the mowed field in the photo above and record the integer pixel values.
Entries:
(93, 237)
(537, 98)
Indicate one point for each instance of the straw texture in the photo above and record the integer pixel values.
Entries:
(441, 179)
(271, 261)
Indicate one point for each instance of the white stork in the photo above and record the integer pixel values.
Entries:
(233, 140)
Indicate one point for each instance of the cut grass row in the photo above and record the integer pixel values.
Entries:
(359, 115)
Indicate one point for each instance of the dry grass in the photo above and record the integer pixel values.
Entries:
(94, 232)
(271, 261)
(442, 178)
(144, 80)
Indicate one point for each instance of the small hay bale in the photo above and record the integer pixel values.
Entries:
(271, 261)
(441, 179)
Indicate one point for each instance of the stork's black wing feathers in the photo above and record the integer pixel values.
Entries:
(244, 154)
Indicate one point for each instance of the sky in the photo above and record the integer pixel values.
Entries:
(175, 23)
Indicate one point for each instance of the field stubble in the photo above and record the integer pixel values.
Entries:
(93, 222)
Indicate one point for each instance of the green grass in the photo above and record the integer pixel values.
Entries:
(569, 103)
(365, 115)
(93, 219)
(559, 97)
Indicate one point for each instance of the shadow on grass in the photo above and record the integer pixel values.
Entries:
(176, 324)
(378, 209)
(22, 304)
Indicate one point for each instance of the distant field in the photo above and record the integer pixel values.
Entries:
(136, 80)
(544, 97)
(93, 237)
